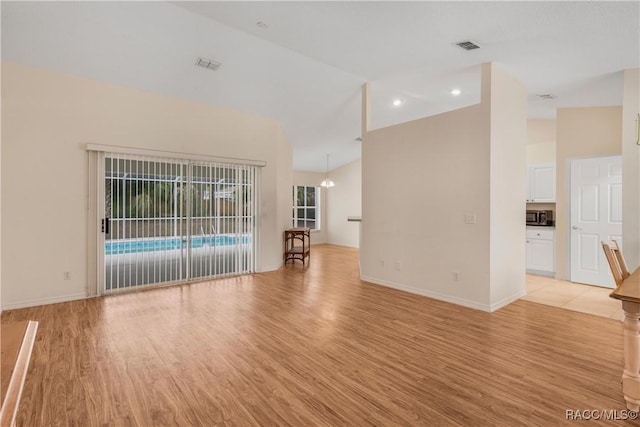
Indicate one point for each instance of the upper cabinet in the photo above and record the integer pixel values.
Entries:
(541, 183)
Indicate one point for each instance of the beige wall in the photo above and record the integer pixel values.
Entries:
(283, 185)
(420, 179)
(337, 204)
(48, 118)
(0, 198)
(541, 141)
(631, 169)
(581, 132)
(508, 183)
(345, 200)
(314, 178)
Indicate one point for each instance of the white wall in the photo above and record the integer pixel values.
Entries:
(48, 118)
(345, 200)
(631, 169)
(314, 179)
(419, 181)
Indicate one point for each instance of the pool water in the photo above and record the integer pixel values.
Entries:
(130, 246)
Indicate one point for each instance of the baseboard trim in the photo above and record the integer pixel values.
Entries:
(430, 294)
(43, 301)
(506, 301)
(542, 273)
(271, 267)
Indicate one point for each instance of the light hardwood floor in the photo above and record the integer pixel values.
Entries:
(313, 346)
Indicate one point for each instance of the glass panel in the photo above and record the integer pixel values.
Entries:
(311, 224)
(300, 213)
(311, 196)
(300, 196)
(148, 203)
(311, 213)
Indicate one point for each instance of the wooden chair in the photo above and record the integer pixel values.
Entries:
(616, 261)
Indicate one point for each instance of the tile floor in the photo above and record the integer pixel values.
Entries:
(572, 296)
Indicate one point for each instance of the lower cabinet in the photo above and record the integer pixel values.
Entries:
(540, 251)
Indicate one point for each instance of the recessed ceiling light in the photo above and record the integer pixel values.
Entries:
(397, 102)
(455, 92)
(262, 25)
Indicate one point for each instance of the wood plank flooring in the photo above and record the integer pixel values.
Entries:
(313, 346)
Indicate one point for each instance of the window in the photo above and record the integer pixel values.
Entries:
(306, 206)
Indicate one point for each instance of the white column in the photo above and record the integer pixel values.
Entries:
(631, 374)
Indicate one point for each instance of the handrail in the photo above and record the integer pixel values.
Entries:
(11, 401)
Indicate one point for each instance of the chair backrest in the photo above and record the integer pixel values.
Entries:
(616, 261)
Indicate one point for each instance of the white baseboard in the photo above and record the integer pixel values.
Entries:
(447, 298)
(435, 295)
(506, 301)
(542, 273)
(267, 268)
(43, 301)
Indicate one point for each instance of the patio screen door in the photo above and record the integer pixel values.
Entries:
(168, 220)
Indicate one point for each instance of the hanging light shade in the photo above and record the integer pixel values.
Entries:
(327, 182)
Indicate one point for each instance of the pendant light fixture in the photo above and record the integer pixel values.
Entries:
(327, 183)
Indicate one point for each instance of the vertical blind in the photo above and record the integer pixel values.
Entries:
(170, 220)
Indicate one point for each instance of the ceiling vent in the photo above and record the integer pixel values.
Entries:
(468, 45)
(208, 64)
(547, 96)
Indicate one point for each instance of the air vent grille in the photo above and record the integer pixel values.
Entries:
(209, 64)
(547, 96)
(468, 45)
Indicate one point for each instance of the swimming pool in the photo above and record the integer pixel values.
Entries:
(129, 246)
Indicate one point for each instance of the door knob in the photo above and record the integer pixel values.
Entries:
(575, 227)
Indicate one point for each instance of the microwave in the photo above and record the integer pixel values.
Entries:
(540, 218)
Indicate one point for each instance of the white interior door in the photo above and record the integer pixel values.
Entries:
(596, 215)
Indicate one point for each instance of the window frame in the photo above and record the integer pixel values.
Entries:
(305, 207)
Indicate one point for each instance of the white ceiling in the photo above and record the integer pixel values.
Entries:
(307, 67)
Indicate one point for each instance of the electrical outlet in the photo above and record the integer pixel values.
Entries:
(455, 276)
(66, 275)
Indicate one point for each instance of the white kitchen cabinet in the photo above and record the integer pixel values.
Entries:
(541, 183)
(540, 251)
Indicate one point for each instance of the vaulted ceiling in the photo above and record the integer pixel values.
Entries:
(306, 61)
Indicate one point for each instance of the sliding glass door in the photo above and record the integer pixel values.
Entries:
(172, 220)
